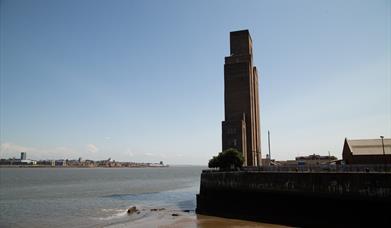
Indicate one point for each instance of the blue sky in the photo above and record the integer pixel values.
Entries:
(143, 80)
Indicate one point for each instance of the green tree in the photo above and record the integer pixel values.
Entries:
(229, 159)
(213, 163)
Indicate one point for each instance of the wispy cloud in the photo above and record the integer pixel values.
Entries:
(91, 148)
(12, 148)
(8, 150)
(130, 153)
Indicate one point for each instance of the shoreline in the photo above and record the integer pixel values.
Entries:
(79, 167)
(169, 217)
(195, 221)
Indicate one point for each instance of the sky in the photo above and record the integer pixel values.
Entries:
(142, 80)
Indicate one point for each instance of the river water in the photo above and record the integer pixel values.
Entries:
(91, 197)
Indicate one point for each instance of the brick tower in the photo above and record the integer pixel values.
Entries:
(240, 129)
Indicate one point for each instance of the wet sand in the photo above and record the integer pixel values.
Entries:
(202, 221)
(175, 219)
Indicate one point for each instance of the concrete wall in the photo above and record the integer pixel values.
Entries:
(299, 199)
(332, 184)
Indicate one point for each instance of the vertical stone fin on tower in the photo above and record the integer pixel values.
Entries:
(257, 118)
(240, 129)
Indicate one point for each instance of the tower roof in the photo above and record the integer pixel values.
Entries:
(240, 42)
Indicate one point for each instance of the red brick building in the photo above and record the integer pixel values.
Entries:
(240, 129)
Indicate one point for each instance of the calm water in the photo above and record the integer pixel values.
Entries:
(61, 197)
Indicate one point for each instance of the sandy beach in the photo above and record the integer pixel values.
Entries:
(168, 218)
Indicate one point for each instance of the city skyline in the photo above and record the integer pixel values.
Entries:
(143, 80)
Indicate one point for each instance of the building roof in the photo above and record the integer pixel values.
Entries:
(316, 157)
(369, 146)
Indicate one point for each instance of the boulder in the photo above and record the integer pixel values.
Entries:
(132, 210)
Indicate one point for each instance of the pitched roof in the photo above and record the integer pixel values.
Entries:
(369, 146)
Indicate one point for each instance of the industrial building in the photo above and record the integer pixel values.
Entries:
(367, 151)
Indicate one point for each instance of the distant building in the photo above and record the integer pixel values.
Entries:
(269, 162)
(315, 159)
(28, 162)
(287, 163)
(310, 160)
(25, 161)
(366, 151)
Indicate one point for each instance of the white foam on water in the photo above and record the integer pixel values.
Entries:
(114, 216)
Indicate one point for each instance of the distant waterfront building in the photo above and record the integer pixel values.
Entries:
(28, 162)
(25, 161)
(309, 160)
(240, 129)
(315, 159)
(366, 151)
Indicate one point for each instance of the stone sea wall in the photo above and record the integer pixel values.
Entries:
(298, 198)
